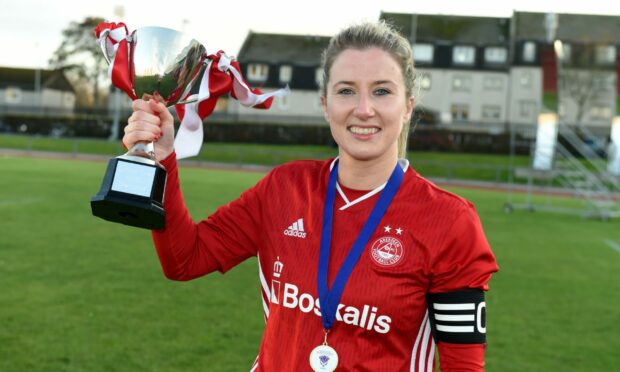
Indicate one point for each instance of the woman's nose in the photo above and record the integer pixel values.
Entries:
(364, 108)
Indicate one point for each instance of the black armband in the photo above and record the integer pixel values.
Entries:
(458, 317)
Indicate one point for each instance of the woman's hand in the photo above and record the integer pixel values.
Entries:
(150, 122)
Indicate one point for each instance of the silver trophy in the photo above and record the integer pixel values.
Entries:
(162, 65)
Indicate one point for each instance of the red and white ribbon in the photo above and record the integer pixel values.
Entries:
(116, 45)
(115, 33)
(222, 75)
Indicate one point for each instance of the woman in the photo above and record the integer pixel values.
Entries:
(364, 264)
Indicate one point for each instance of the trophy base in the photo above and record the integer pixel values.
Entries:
(132, 193)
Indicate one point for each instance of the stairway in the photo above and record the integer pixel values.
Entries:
(582, 170)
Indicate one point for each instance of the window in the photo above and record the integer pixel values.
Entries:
(493, 83)
(318, 76)
(13, 95)
(463, 55)
(460, 112)
(286, 74)
(603, 83)
(497, 55)
(561, 109)
(605, 55)
(69, 99)
(566, 52)
(529, 51)
(283, 102)
(425, 82)
(258, 72)
(528, 109)
(491, 112)
(423, 53)
(600, 112)
(461, 83)
(525, 80)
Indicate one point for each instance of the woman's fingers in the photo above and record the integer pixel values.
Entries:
(146, 117)
(144, 126)
(144, 120)
(150, 122)
(161, 111)
(131, 138)
(142, 105)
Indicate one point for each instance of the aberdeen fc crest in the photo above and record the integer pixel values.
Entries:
(387, 251)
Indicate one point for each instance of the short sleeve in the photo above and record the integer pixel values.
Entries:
(465, 259)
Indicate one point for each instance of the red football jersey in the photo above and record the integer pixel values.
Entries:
(429, 240)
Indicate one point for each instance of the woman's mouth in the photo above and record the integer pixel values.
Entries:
(363, 131)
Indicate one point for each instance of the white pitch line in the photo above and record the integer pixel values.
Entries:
(613, 245)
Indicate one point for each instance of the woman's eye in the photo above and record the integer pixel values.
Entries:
(382, 92)
(345, 91)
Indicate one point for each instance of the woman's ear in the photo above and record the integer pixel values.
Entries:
(410, 107)
(324, 108)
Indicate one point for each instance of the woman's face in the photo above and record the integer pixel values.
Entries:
(366, 104)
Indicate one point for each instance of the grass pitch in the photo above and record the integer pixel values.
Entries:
(81, 294)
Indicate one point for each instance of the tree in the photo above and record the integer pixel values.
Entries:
(579, 86)
(585, 80)
(80, 58)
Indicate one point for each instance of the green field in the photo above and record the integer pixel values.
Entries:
(81, 294)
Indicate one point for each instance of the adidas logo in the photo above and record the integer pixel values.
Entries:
(296, 229)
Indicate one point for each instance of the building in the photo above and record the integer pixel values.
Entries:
(573, 58)
(475, 74)
(273, 61)
(35, 92)
(462, 67)
(481, 73)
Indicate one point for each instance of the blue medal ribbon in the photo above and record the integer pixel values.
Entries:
(329, 299)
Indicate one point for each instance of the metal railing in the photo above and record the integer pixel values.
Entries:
(238, 155)
(105, 113)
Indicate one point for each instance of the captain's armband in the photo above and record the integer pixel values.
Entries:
(458, 317)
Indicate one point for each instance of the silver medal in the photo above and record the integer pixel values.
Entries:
(323, 359)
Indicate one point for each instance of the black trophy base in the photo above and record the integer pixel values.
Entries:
(132, 193)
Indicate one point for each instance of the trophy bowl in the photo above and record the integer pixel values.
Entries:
(162, 64)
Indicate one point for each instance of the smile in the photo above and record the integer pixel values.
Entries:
(363, 130)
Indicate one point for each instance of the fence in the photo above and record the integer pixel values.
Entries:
(470, 167)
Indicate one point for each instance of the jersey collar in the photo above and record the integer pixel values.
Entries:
(404, 163)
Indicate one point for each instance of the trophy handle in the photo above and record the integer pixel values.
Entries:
(102, 44)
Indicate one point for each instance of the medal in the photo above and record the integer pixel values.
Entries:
(324, 358)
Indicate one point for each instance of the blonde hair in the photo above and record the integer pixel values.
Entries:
(374, 35)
